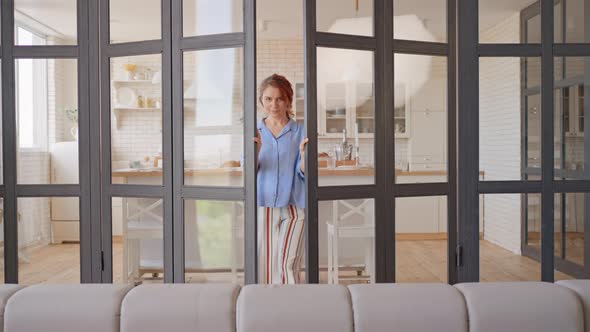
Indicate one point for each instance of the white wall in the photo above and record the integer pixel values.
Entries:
(35, 165)
(500, 135)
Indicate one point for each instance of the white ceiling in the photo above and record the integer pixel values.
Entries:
(135, 19)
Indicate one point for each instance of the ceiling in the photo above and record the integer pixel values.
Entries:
(134, 19)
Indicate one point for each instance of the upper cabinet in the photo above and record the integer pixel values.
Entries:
(432, 96)
(573, 110)
(350, 106)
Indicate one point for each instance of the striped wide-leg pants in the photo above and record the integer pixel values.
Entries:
(280, 244)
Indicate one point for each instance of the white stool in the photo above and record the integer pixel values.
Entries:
(140, 222)
(337, 231)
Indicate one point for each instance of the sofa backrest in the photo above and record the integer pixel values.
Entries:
(582, 290)
(477, 307)
(65, 308)
(180, 307)
(294, 308)
(408, 308)
(522, 306)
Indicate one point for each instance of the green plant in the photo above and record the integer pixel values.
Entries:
(72, 114)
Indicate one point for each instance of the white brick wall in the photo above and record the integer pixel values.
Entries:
(499, 115)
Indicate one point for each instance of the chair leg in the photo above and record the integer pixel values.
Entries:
(370, 260)
(330, 259)
(335, 255)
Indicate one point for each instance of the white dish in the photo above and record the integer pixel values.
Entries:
(125, 96)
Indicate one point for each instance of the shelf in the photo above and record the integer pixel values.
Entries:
(365, 117)
(336, 118)
(133, 81)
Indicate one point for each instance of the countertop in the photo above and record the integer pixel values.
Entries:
(237, 171)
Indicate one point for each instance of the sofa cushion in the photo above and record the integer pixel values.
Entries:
(180, 307)
(582, 289)
(294, 308)
(522, 306)
(408, 308)
(65, 308)
(6, 291)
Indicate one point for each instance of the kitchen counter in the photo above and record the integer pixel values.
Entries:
(237, 171)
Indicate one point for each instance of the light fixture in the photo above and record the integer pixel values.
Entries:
(341, 66)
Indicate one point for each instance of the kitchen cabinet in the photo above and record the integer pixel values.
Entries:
(573, 110)
(344, 104)
(417, 215)
(431, 96)
(427, 144)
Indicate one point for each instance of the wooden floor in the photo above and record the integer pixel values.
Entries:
(417, 261)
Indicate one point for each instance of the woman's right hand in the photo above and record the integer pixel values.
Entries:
(258, 141)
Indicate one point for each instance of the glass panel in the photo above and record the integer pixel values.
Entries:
(500, 247)
(204, 17)
(47, 121)
(347, 241)
(347, 108)
(533, 31)
(558, 21)
(421, 239)
(213, 117)
(214, 241)
(135, 20)
(500, 21)
(45, 22)
(48, 240)
(532, 23)
(509, 121)
(533, 74)
(279, 49)
(2, 238)
(420, 118)
(351, 18)
(569, 235)
(423, 20)
(1, 135)
(575, 21)
(136, 119)
(571, 84)
(138, 248)
(532, 218)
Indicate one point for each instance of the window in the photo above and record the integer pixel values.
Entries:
(31, 94)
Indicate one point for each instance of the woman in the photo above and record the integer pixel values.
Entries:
(280, 144)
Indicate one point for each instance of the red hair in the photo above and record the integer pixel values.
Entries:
(282, 83)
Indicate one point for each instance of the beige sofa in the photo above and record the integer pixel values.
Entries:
(509, 306)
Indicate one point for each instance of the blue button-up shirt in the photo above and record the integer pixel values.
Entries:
(279, 179)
